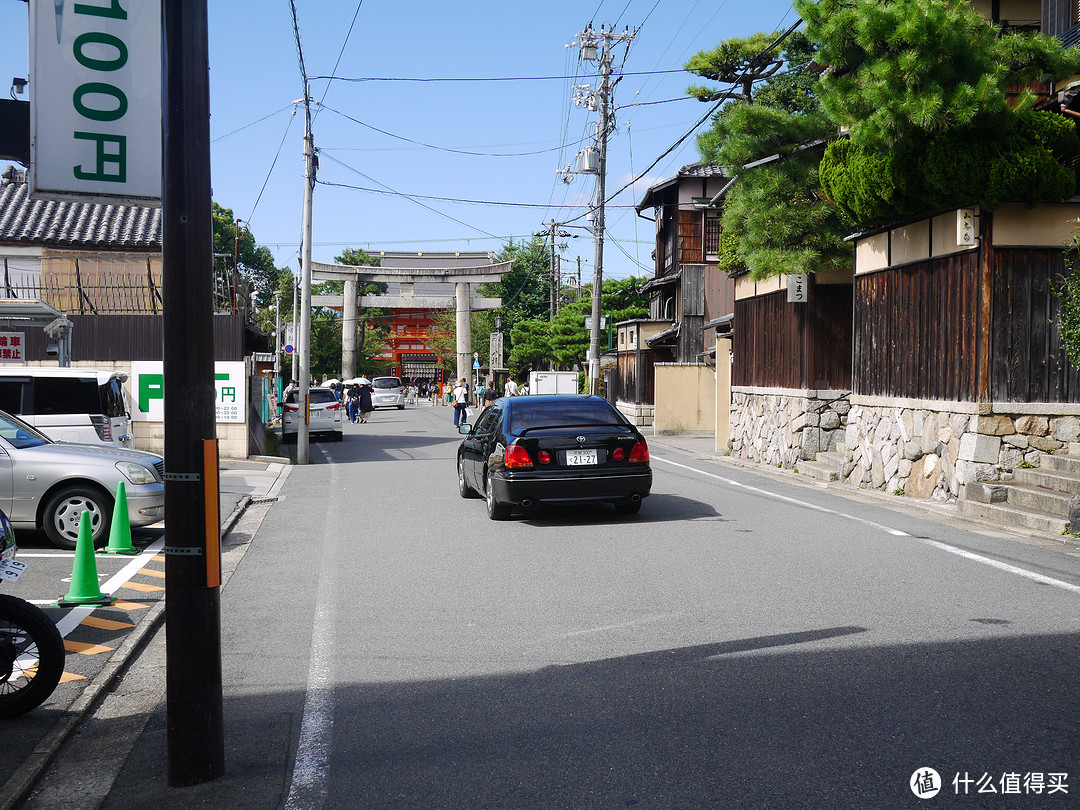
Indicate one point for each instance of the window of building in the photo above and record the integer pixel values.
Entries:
(712, 233)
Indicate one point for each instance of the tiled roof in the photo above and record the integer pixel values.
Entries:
(701, 170)
(73, 224)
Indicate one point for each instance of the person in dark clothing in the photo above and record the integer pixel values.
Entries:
(366, 407)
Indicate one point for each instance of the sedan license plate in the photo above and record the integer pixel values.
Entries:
(579, 457)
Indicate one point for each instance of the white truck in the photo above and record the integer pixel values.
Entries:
(553, 382)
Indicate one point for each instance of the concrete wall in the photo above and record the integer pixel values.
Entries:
(685, 398)
(722, 423)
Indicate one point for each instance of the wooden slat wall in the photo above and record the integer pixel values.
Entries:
(122, 338)
(782, 345)
(916, 330)
(690, 237)
(1027, 361)
(636, 382)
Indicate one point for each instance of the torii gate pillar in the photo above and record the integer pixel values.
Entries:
(464, 331)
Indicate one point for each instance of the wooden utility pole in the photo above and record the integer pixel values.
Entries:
(195, 726)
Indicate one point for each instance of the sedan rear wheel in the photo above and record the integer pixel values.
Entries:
(495, 509)
(64, 511)
(464, 490)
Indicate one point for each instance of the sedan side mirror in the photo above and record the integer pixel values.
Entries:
(464, 428)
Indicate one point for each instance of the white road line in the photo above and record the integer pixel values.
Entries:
(311, 771)
(967, 555)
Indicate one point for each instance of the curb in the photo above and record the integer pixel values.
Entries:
(22, 782)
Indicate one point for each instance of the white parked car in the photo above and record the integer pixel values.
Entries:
(388, 393)
(325, 417)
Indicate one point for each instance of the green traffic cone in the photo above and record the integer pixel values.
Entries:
(120, 531)
(85, 589)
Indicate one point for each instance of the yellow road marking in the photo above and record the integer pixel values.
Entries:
(139, 586)
(150, 572)
(85, 649)
(124, 605)
(68, 677)
(105, 624)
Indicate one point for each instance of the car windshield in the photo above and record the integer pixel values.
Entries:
(19, 434)
(568, 413)
(387, 382)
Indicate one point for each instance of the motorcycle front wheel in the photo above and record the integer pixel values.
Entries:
(31, 656)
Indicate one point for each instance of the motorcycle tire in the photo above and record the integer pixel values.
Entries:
(27, 633)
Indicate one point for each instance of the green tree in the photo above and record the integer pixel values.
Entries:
(253, 262)
(775, 219)
(921, 84)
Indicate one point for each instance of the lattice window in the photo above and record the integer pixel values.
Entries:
(712, 232)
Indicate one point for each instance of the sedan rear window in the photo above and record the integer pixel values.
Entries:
(571, 413)
(387, 382)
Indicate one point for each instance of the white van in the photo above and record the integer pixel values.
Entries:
(69, 404)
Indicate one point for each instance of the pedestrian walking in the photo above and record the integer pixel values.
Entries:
(365, 407)
(511, 388)
(461, 402)
(352, 402)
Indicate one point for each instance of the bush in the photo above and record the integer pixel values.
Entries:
(985, 164)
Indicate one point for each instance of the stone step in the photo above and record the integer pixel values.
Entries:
(1061, 463)
(818, 470)
(1048, 478)
(1004, 514)
(1038, 499)
(831, 458)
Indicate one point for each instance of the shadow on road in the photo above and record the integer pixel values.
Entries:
(802, 719)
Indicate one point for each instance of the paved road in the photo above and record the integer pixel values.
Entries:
(743, 642)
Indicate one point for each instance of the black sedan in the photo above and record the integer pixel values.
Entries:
(526, 451)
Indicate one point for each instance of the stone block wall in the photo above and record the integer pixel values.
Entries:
(931, 452)
(780, 427)
(639, 415)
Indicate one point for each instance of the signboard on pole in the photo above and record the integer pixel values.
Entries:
(148, 389)
(797, 288)
(95, 101)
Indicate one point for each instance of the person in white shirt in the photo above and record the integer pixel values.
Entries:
(511, 388)
(461, 403)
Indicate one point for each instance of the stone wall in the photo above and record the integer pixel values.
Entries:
(780, 426)
(639, 415)
(931, 452)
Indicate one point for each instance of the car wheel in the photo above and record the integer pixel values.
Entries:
(628, 507)
(495, 510)
(62, 514)
(464, 490)
(401, 407)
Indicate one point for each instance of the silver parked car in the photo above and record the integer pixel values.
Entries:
(324, 415)
(47, 485)
(389, 393)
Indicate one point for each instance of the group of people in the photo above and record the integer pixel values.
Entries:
(357, 399)
(459, 396)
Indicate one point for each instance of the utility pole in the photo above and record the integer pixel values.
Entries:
(598, 46)
(295, 337)
(303, 433)
(277, 334)
(193, 672)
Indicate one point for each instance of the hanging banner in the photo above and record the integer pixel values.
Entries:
(95, 101)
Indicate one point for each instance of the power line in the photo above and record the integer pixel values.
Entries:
(429, 79)
(501, 203)
(446, 148)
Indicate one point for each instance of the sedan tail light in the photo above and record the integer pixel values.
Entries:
(292, 407)
(640, 453)
(517, 456)
(334, 407)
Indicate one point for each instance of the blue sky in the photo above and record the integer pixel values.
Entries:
(389, 135)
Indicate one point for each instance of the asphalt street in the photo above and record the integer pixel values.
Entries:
(747, 640)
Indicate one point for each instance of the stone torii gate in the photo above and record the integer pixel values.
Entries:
(464, 300)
